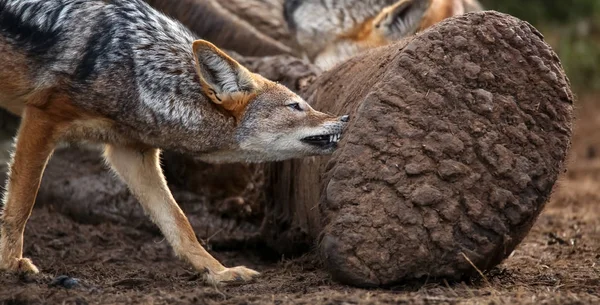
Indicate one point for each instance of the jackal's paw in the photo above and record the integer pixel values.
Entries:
(235, 275)
(23, 265)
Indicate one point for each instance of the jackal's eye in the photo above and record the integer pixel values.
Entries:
(295, 106)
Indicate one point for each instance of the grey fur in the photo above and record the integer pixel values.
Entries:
(126, 62)
(316, 22)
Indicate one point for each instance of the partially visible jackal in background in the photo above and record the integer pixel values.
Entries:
(119, 73)
(330, 31)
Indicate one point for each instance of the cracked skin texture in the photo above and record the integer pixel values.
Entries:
(457, 137)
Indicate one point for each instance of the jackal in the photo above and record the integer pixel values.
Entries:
(121, 74)
(330, 31)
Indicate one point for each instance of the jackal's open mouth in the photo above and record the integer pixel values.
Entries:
(324, 141)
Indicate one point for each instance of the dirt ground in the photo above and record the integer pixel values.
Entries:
(558, 262)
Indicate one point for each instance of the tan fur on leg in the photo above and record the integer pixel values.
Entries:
(140, 169)
(35, 143)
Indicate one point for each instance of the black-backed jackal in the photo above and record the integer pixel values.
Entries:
(121, 74)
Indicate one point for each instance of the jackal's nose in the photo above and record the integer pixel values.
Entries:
(345, 118)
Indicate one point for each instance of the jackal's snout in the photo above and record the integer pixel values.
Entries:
(330, 133)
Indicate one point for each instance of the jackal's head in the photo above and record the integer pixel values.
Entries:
(331, 31)
(273, 123)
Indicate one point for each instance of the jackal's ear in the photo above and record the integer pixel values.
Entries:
(222, 78)
(400, 19)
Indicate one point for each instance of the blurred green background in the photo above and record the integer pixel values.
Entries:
(572, 27)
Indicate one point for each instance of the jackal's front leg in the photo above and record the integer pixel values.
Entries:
(35, 143)
(140, 169)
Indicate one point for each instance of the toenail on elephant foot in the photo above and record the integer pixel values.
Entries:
(343, 265)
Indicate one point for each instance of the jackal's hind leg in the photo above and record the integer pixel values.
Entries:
(140, 169)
